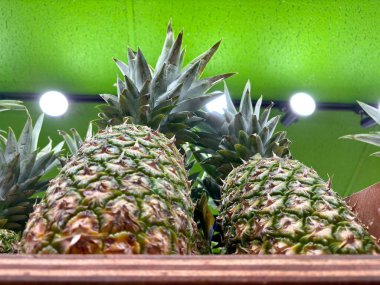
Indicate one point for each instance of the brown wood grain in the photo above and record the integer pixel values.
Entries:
(123, 269)
(366, 204)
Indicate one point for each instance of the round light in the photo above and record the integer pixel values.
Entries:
(217, 105)
(302, 104)
(54, 103)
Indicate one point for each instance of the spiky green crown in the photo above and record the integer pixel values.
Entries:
(372, 137)
(237, 135)
(164, 97)
(22, 165)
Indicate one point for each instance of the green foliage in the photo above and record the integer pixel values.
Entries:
(22, 166)
(74, 141)
(6, 105)
(226, 140)
(372, 138)
(166, 97)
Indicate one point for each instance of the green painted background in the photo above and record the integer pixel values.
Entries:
(330, 49)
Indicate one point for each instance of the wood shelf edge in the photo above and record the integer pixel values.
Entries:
(243, 269)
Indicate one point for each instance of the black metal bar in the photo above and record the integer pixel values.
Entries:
(332, 106)
(35, 96)
(288, 118)
(282, 105)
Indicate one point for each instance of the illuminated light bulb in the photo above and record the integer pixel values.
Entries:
(217, 105)
(302, 104)
(54, 103)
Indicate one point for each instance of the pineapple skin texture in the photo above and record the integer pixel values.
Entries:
(8, 241)
(279, 206)
(124, 192)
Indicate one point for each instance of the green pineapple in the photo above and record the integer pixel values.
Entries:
(126, 188)
(22, 165)
(270, 203)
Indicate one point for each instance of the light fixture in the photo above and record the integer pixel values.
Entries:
(217, 105)
(302, 104)
(367, 122)
(54, 103)
(288, 118)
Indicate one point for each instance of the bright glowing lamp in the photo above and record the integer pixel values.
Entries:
(302, 104)
(54, 103)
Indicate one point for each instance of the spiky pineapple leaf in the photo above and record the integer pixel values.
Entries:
(230, 105)
(75, 141)
(169, 40)
(205, 57)
(26, 139)
(373, 112)
(246, 104)
(71, 143)
(257, 107)
(36, 131)
(371, 138)
(207, 217)
(122, 66)
(204, 85)
(90, 131)
(194, 104)
(26, 165)
(3, 139)
(6, 105)
(11, 148)
(142, 70)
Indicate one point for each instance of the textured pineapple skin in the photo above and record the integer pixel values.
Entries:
(125, 191)
(280, 206)
(8, 241)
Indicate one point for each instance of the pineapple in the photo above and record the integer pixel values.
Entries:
(22, 166)
(126, 190)
(270, 203)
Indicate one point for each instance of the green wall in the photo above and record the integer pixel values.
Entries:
(330, 49)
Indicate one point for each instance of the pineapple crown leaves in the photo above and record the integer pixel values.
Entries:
(165, 97)
(6, 105)
(372, 137)
(228, 139)
(22, 165)
(207, 219)
(75, 141)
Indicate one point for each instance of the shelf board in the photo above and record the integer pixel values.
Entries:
(143, 269)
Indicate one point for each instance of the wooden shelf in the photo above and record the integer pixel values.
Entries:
(122, 269)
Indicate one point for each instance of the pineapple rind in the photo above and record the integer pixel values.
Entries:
(8, 241)
(125, 191)
(279, 206)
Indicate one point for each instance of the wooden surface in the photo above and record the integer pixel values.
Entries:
(96, 269)
(366, 204)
